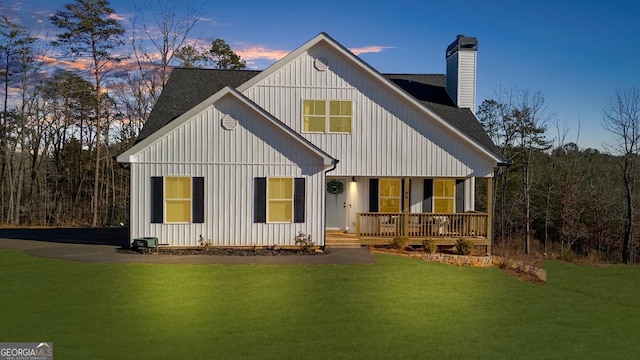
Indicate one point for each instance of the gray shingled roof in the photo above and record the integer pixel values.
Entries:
(429, 90)
(187, 88)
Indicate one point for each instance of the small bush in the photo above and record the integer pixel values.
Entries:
(464, 247)
(204, 244)
(568, 256)
(304, 241)
(430, 246)
(399, 242)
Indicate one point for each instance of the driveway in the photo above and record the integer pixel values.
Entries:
(101, 245)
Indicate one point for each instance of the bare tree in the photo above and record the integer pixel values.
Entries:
(621, 117)
(516, 122)
(167, 31)
(496, 117)
(531, 117)
(90, 30)
(19, 64)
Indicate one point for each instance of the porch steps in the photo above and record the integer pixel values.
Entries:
(340, 240)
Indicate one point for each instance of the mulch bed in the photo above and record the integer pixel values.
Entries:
(221, 251)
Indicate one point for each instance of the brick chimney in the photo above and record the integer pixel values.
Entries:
(462, 57)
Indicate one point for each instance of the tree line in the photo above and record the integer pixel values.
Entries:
(61, 129)
(62, 125)
(556, 198)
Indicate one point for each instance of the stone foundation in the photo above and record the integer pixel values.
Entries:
(475, 261)
(539, 273)
(451, 259)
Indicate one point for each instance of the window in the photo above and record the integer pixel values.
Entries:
(339, 116)
(444, 195)
(332, 116)
(177, 199)
(279, 200)
(390, 195)
(314, 115)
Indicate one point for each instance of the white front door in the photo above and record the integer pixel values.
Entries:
(336, 203)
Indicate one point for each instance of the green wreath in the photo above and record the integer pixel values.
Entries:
(335, 187)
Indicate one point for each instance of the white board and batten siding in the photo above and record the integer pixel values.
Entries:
(390, 136)
(229, 160)
(461, 79)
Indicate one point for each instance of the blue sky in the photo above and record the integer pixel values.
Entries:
(577, 53)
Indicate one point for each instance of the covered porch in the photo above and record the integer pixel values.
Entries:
(380, 227)
(444, 229)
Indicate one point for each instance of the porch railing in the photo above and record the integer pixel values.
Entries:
(422, 225)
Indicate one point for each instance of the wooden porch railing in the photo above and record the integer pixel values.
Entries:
(422, 225)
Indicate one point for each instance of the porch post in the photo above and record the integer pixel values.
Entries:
(490, 213)
(405, 207)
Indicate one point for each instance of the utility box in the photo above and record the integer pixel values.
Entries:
(145, 243)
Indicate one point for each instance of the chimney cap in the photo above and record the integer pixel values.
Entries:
(462, 42)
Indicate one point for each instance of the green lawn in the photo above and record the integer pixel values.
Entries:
(397, 309)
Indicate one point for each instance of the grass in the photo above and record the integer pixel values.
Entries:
(397, 309)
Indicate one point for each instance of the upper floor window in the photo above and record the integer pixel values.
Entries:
(327, 116)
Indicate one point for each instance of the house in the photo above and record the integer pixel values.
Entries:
(318, 141)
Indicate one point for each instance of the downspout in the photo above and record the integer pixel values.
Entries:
(324, 232)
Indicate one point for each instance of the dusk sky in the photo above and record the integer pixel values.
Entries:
(577, 53)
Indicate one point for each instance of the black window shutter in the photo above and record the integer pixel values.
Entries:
(260, 201)
(157, 200)
(459, 195)
(298, 200)
(198, 200)
(427, 202)
(373, 195)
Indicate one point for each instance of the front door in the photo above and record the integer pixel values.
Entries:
(336, 203)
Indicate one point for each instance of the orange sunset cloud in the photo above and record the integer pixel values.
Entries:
(369, 49)
(250, 53)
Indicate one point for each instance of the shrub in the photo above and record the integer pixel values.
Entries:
(304, 241)
(430, 246)
(464, 247)
(399, 242)
(204, 244)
